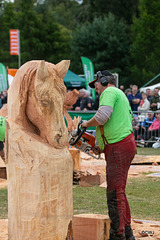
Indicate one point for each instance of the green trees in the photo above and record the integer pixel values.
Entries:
(123, 36)
(145, 53)
(8, 20)
(41, 36)
(122, 9)
(105, 42)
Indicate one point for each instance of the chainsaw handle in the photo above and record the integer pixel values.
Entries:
(80, 135)
(79, 124)
(80, 132)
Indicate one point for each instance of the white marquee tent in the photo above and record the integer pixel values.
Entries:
(152, 87)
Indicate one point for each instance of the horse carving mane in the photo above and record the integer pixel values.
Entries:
(36, 98)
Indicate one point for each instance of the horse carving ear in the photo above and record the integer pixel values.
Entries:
(42, 71)
(62, 67)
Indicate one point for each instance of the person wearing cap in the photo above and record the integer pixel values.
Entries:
(2, 135)
(114, 134)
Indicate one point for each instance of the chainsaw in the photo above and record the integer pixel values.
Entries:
(82, 140)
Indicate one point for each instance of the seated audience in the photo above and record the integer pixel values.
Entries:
(145, 125)
(154, 129)
(148, 121)
(156, 123)
(135, 125)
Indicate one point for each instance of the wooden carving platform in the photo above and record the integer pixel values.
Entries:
(3, 173)
(140, 159)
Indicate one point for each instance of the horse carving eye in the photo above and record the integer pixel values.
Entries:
(45, 103)
(44, 100)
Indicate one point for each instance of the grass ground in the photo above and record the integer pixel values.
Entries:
(3, 203)
(148, 151)
(142, 192)
(143, 196)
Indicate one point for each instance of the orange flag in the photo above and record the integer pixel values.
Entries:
(14, 42)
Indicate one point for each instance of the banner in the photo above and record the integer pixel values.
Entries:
(11, 74)
(88, 73)
(14, 42)
(3, 77)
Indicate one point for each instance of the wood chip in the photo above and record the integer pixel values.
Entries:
(137, 221)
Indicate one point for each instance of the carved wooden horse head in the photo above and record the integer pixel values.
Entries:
(36, 98)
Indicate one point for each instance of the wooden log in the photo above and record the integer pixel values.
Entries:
(76, 156)
(4, 111)
(2, 163)
(90, 180)
(39, 188)
(3, 173)
(39, 165)
(91, 227)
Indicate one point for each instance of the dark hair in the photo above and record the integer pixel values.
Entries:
(111, 80)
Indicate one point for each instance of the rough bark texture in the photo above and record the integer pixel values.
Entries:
(39, 165)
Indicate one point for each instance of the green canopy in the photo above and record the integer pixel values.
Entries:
(73, 80)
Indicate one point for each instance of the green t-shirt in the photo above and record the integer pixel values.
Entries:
(2, 129)
(119, 125)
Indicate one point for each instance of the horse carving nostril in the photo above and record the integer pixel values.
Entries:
(59, 136)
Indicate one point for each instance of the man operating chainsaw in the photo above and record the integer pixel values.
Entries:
(113, 121)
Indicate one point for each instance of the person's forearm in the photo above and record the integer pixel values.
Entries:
(90, 123)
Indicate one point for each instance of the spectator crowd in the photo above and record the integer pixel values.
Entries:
(146, 114)
(3, 98)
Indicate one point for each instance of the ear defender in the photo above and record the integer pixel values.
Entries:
(103, 80)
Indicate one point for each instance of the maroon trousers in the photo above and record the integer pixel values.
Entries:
(119, 156)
